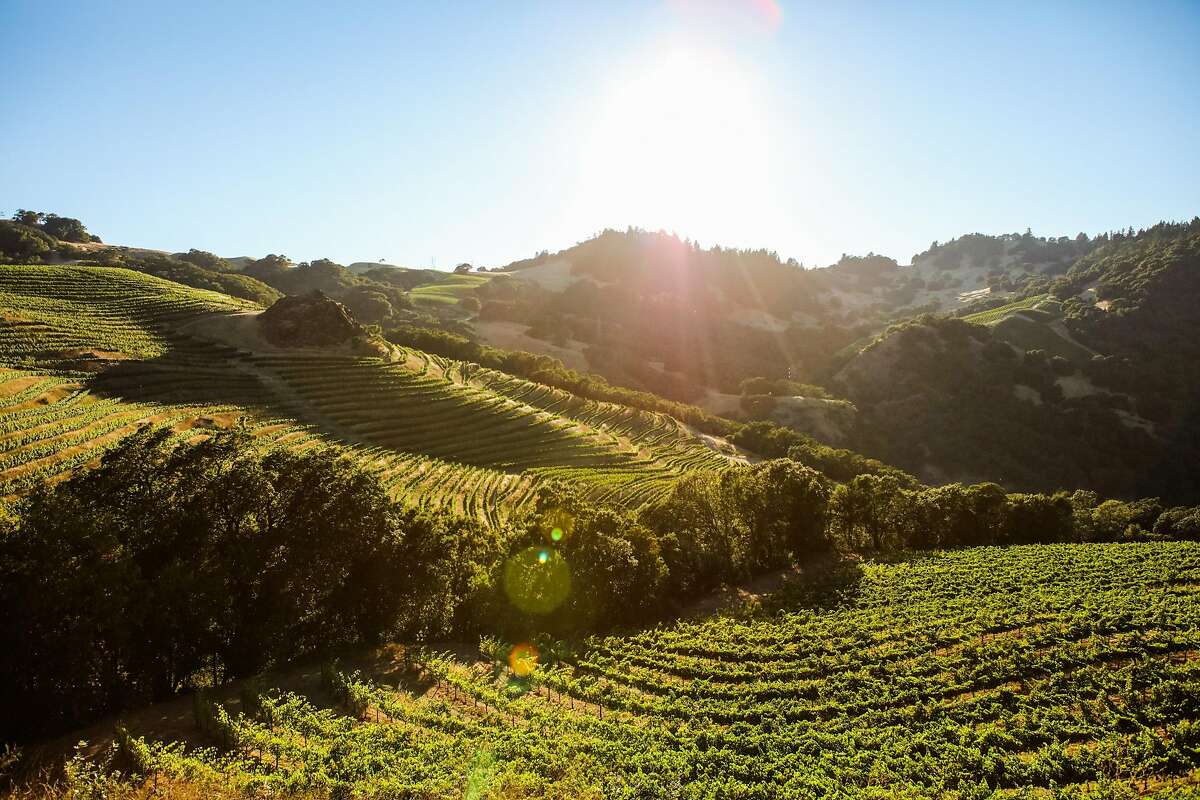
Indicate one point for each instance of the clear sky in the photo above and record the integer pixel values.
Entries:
(485, 132)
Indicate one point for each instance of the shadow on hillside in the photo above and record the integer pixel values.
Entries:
(820, 585)
(169, 380)
(202, 376)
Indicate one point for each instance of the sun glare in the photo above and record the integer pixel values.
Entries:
(680, 144)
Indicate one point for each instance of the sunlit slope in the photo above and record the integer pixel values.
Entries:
(450, 289)
(50, 310)
(1021, 672)
(441, 433)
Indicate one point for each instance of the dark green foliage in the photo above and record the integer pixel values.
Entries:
(869, 270)
(63, 229)
(941, 398)
(978, 249)
(615, 564)
(20, 243)
(66, 229)
(205, 259)
(122, 583)
(1179, 523)
(405, 279)
(186, 271)
(373, 302)
(774, 441)
(720, 527)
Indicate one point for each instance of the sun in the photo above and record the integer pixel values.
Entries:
(679, 143)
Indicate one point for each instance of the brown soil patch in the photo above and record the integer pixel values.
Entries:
(50, 397)
(15, 385)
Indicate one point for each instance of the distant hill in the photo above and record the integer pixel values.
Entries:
(366, 266)
(1069, 365)
(1089, 382)
(653, 311)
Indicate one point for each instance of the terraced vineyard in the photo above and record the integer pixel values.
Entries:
(994, 315)
(50, 311)
(1038, 671)
(106, 350)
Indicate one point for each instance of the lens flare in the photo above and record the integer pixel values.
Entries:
(523, 660)
(557, 525)
(537, 580)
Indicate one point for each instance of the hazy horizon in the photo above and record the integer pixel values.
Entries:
(485, 135)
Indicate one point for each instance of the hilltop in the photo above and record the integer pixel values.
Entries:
(639, 306)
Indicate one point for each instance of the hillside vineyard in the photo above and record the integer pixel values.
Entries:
(92, 353)
(1060, 669)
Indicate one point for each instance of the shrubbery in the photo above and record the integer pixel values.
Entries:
(121, 584)
(23, 244)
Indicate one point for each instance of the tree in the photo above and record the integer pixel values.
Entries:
(616, 567)
(31, 218)
(120, 583)
(21, 243)
(785, 507)
(205, 259)
(462, 268)
(367, 305)
(66, 229)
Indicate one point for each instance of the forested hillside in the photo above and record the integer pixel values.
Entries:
(1089, 381)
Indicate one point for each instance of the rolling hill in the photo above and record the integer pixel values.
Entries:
(91, 353)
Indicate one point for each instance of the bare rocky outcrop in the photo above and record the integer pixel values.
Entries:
(309, 320)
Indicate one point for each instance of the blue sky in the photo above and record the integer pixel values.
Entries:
(485, 132)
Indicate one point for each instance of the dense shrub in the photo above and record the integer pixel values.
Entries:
(21, 243)
(121, 584)
(189, 274)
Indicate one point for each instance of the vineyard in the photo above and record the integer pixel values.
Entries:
(994, 315)
(449, 290)
(1053, 670)
(93, 353)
